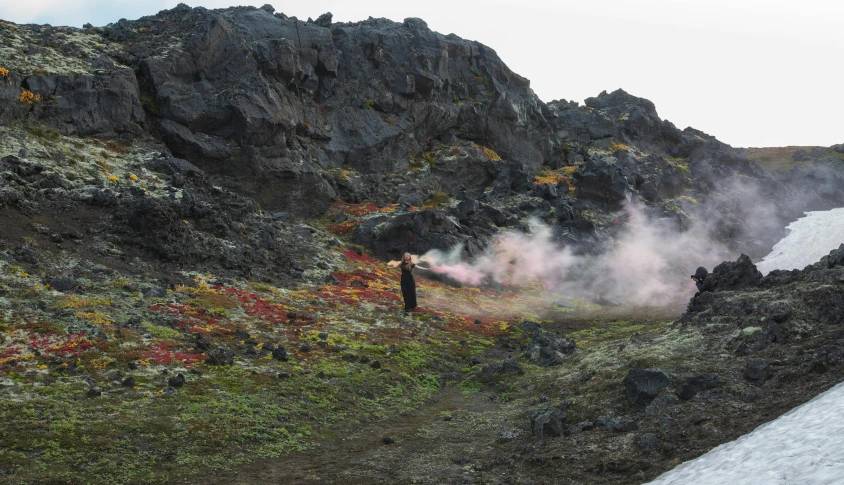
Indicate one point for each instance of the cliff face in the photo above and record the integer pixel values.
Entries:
(297, 115)
(271, 102)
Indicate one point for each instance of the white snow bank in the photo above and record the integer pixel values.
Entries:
(810, 238)
(803, 446)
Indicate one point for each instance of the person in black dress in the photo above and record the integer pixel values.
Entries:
(408, 284)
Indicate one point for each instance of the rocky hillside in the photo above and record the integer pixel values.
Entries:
(298, 114)
(195, 209)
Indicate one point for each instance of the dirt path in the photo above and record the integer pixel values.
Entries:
(430, 446)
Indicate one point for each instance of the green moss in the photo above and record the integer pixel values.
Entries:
(159, 331)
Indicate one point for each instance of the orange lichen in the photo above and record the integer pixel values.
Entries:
(490, 153)
(28, 97)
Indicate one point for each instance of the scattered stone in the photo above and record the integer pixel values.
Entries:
(176, 381)
(778, 311)
(63, 284)
(660, 404)
(201, 343)
(510, 434)
(375, 364)
(128, 382)
(646, 441)
(548, 350)
(219, 356)
(387, 440)
(617, 424)
(283, 375)
(509, 366)
(643, 385)
(461, 460)
(155, 293)
(94, 392)
(132, 365)
(549, 422)
(279, 353)
(699, 418)
(305, 348)
(169, 391)
(756, 370)
(694, 384)
(365, 359)
(580, 427)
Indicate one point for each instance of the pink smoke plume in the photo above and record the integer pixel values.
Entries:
(649, 264)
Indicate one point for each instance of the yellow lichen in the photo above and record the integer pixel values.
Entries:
(28, 97)
(618, 146)
(553, 177)
(490, 153)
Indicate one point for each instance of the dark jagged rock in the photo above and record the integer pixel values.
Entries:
(548, 422)
(322, 95)
(546, 349)
(176, 381)
(279, 353)
(602, 182)
(695, 384)
(219, 356)
(417, 232)
(643, 385)
(756, 370)
(63, 284)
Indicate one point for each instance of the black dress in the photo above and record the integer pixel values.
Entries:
(408, 286)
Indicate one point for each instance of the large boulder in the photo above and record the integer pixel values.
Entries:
(602, 181)
(416, 232)
(735, 275)
(643, 385)
(548, 422)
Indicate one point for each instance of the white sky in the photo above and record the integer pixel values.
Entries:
(751, 72)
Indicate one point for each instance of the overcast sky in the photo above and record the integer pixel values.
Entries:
(751, 72)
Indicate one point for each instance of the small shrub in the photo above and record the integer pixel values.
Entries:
(369, 104)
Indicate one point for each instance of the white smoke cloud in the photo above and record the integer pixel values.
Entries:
(649, 265)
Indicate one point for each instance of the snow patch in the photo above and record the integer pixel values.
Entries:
(809, 239)
(804, 445)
